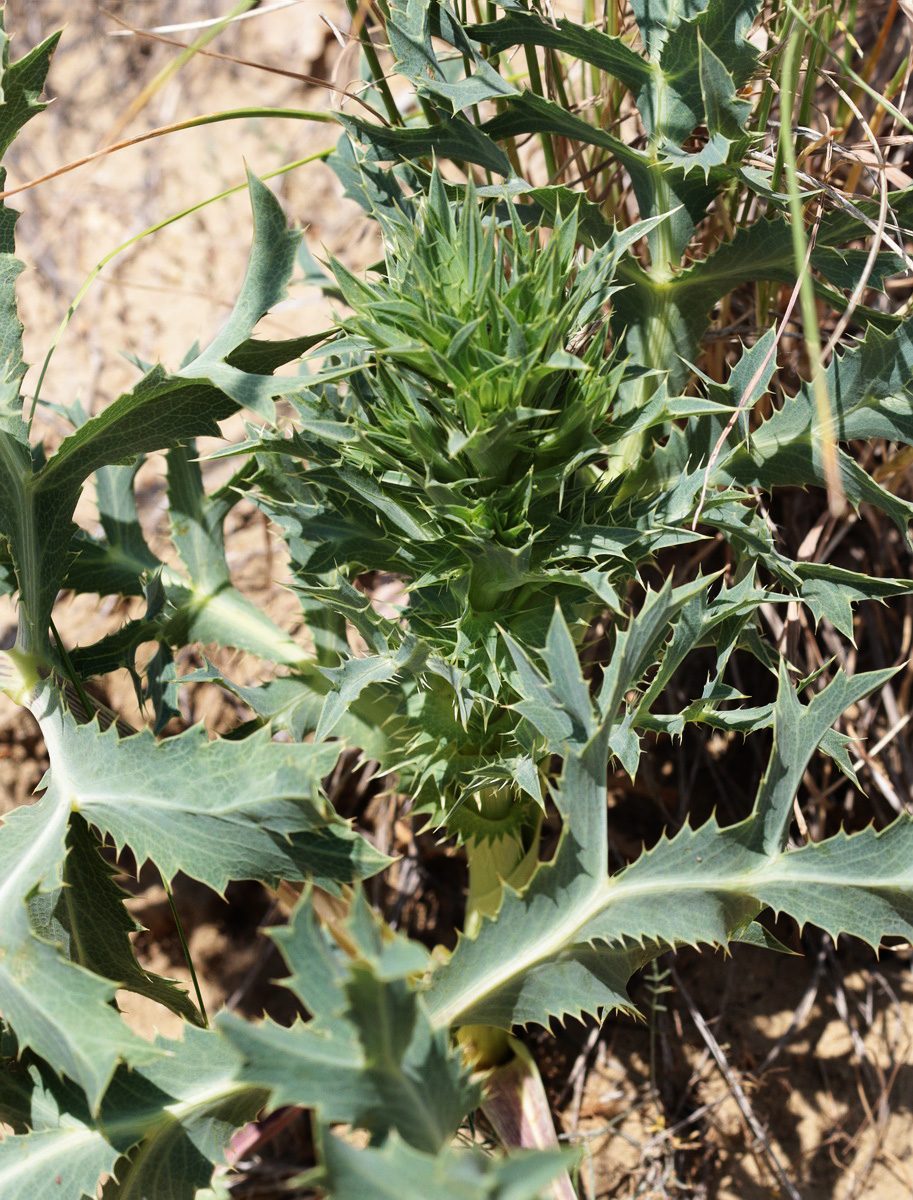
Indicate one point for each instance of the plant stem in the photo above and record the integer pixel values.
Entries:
(836, 499)
(357, 13)
(535, 82)
(510, 858)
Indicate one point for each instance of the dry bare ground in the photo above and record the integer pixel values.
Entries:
(746, 1071)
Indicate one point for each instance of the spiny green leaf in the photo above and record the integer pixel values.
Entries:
(20, 86)
(55, 1138)
(762, 251)
(250, 809)
(454, 137)
(87, 920)
(657, 20)
(228, 618)
(269, 270)
(290, 703)
(118, 649)
(568, 942)
(369, 1056)
(162, 411)
(797, 732)
(786, 451)
(637, 646)
(830, 592)
(59, 1009)
(561, 710)
(397, 1170)
(703, 60)
(609, 54)
(860, 884)
(207, 607)
(196, 520)
(724, 116)
(160, 1132)
(531, 113)
(411, 26)
(22, 83)
(113, 564)
(700, 619)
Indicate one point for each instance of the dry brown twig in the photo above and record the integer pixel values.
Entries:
(736, 1090)
(875, 248)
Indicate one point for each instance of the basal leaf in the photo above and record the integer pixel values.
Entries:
(116, 501)
(869, 386)
(228, 618)
(561, 709)
(221, 810)
(59, 1009)
(113, 564)
(160, 1132)
(700, 620)
(530, 964)
(867, 390)
(637, 646)
(318, 966)
(289, 703)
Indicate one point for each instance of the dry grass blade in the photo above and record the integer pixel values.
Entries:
(186, 26)
(162, 131)
(302, 77)
(859, 290)
(139, 102)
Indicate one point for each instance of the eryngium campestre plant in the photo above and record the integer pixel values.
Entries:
(474, 693)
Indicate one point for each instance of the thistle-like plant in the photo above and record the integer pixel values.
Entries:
(500, 419)
(706, 158)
